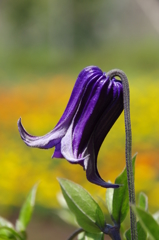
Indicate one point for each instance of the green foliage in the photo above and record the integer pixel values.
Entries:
(88, 213)
(147, 221)
(147, 224)
(120, 201)
(7, 230)
(26, 210)
(140, 232)
(90, 236)
(142, 235)
(5, 223)
(156, 216)
(143, 201)
(109, 199)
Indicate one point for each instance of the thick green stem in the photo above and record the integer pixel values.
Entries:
(129, 167)
(74, 234)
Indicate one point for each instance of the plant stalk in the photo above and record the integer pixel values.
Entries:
(112, 231)
(128, 144)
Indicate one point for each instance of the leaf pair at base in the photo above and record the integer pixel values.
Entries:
(88, 213)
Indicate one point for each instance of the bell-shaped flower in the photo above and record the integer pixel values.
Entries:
(95, 104)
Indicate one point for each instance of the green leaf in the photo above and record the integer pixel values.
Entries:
(67, 216)
(6, 234)
(88, 213)
(128, 234)
(9, 233)
(121, 196)
(156, 216)
(90, 236)
(143, 201)
(26, 210)
(6, 228)
(5, 223)
(140, 232)
(147, 221)
(81, 236)
(94, 236)
(142, 235)
(109, 199)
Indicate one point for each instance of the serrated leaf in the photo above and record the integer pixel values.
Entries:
(26, 210)
(109, 199)
(143, 201)
(121, 196)
(140, 232)
(147, 221)
(88, 213)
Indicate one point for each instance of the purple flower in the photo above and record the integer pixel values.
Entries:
(95, 104)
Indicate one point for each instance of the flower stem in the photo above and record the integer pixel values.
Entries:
(75, 233)
(129, 167)
(112, 231)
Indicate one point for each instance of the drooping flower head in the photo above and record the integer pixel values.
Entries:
(95, 104)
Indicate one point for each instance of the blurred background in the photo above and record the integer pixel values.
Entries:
(43, 47)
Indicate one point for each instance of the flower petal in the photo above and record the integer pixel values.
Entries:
(92, 173)
(101, 105)
(90, 109)
(108, 118)
(90, 73)
(47, 141)
(57, 152)
(95, 104)
(54, 137)
(94, 177)
(67, 150)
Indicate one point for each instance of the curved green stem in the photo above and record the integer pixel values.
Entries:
(75, 233)
(129, 167)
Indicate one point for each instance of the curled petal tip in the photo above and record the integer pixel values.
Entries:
(44, 142)
(93, 176)
(19, 122)
(23, 133)
(99, 181)
(20, 127)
